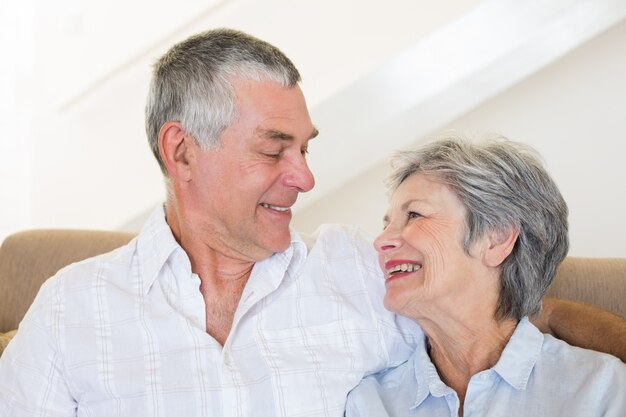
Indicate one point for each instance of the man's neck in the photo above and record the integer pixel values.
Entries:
(222, 277)
(221, 298)
(222, 282)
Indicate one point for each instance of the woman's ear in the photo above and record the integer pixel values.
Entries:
(500, 245)
(176, 150)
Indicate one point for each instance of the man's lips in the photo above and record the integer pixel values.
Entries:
(281, 209)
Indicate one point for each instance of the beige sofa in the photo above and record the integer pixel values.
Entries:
(28, 258)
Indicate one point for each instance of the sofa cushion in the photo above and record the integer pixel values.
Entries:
(5, 338)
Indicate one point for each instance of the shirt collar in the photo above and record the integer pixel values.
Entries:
(156, 244)
(428, 380)
(514, 366)
(520, 355)
(298, 249)
(267, 274)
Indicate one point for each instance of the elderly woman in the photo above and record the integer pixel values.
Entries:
(471, 242)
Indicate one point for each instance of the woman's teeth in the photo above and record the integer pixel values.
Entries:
(403, 268)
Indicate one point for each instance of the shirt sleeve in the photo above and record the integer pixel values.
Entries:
(32, 377)
(400, 335)
(614, 392)
(365, 400)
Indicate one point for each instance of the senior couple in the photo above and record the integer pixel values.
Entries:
(217, 308)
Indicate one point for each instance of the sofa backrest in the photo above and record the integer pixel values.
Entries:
(28, 258)
(598, 281)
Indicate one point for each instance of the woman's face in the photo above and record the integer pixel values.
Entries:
(421, 248)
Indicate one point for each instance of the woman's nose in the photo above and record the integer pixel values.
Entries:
(387, 240)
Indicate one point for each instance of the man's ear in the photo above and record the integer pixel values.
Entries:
(500, 245)
(176, 149)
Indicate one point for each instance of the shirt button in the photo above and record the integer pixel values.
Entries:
(227, 358)
(472, 407)
(485, 376)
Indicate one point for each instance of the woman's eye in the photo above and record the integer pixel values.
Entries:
(412, 215)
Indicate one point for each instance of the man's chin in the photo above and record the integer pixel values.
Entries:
(268, 242)
(279, 243)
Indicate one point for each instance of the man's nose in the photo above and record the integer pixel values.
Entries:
(300, 176)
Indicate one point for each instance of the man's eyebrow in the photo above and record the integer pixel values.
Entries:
(275, 134)
(280, 135)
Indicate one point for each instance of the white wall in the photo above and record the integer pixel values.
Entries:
(73, 146)
(74, 152)
(574, 113)
(15, 115)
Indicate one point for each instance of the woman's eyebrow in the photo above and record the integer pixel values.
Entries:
(407, 203)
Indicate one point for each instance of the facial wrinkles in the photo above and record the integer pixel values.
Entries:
(425, 239)
(435, 234)
(275, 192)
(228, 229)
(435, 248)
(279, 149)
(219, 233)
(234, 178)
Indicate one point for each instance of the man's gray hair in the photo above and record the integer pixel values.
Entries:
(503, 185)
(192, 83)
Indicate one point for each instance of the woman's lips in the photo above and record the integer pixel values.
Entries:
(400, 268)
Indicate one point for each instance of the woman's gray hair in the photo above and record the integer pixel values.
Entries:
(503, 185)
(191, 83)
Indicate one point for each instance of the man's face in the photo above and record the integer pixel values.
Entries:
(243, 189)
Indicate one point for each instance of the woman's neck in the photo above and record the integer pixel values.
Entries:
(460, 350)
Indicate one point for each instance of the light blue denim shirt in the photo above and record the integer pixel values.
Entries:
(537, 375)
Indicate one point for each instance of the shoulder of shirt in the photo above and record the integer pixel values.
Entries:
(79, 271)
(392, 377)
(583, 369)
(559, 351)
(72, 280)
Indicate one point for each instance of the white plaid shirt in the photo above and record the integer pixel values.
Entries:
(123, 334)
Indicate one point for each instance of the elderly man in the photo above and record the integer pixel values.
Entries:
(216, 308)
